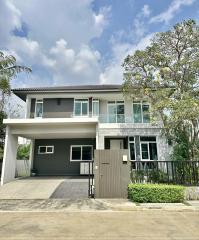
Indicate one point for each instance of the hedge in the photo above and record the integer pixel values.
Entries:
(156, 193)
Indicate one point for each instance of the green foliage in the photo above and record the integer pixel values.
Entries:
(8, 70)
(156, 193)
(181, 146)
(1, 154)
(23, 152)
(151, 175)
(137, 175)
(158, 176)
(166, 73)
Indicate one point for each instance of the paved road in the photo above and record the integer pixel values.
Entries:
(136, 225)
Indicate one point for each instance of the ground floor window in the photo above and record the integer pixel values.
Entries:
(46, 149)
(148, 148)
(132, 148)
(81, 153)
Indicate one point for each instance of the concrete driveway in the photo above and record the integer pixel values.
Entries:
(45, 188)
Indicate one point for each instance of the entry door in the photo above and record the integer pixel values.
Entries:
(116, 144)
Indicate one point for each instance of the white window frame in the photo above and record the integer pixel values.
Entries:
(77, 100)
(95, 100)
(129, 148)
(81, 146)
(39, 101)
(141, 102)
(46, 150)
(147, 142)
(115, 102)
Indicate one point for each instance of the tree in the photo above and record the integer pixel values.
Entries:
(23, 152)
(167, 73)
(8, 70)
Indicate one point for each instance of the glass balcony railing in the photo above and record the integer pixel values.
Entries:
(102, 118)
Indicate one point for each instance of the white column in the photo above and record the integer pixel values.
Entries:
(31, 159)
(28, 105)
(100, 142)
(9, 157)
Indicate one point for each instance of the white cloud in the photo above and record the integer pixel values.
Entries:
(10, 18)
(101, 19)
(74, 65)
(139, 23)
(113, 73)
(57, 44)
(146, 10)
(174, 7)
(139, 27)
(50, 20)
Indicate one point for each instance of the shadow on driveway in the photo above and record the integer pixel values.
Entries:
(71, 188)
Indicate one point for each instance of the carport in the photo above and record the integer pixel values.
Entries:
(46, 188)
(62, 128)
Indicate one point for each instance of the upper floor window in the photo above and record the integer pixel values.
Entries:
(38, 108)
(95, 107)
(81, 107)
(116, 112)
(141, 112)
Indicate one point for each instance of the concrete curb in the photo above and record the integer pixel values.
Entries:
(92, 205)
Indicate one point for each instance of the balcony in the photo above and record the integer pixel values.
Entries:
(120, 118)
(71, 116)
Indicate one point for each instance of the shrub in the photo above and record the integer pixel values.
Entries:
(23, 152)
(157, 176)
(156, 193)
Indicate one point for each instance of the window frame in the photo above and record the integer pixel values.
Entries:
(81, 146)
(93, 101)
(36, 102)
(129, 142)
(46, 146)
(79, 100)
(147, 142)
(115, 103)
(141, 102)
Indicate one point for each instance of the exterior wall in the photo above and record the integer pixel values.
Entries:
(128, 108)
(59, 162)
(162, 146)
(108, 139)
(103, 107)
(58, 108)
(61, 107)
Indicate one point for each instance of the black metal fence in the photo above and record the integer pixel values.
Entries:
(90, 180)
(171, 172)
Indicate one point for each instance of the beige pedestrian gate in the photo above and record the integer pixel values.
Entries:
(111, 173)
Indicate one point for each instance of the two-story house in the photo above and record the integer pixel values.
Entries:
(66, 124)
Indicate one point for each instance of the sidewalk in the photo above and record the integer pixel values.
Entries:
(91, 205)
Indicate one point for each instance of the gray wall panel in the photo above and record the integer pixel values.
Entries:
(57, 107)
(32, 108)
(59, 162)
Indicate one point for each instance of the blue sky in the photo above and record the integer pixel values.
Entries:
(83, 41)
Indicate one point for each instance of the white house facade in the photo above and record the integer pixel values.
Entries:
(66, 124)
